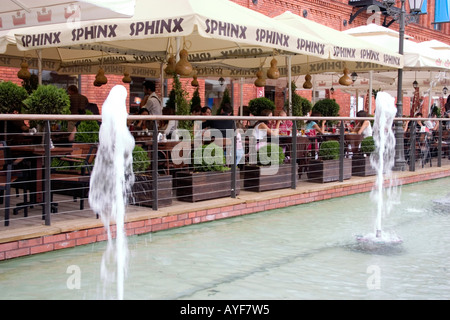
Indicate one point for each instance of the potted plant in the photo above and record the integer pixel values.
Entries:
(46, 99)
(142, 190)
(270, 172)
(326, 168)
(327, 108)
(259, 104)
(11, 100)
(361, 161)
(210, 177)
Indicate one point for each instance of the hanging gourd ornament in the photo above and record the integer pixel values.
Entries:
(260, 82)
(194, 82)
(126, 78)
(100, 78)
(23, 73)
(183, 67)
(307, 84)
(273, 72)
(170, 69)
(345, 80)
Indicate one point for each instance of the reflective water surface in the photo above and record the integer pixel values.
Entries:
(303, 252)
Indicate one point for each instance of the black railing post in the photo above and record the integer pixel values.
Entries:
(47, 181)
(341, 151)
(294, 156)
(412, 147)
(155, 166)
(233, 165)
(439, 154)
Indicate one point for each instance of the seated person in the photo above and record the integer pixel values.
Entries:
(261, 129)
(419, 125)
(168, 126)
(312, 125)
(143, 124)
(363, 127)
(285, 127)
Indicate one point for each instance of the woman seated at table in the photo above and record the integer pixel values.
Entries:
(261, 129)
(419, 124)
(363, 127)
(285, 127)
(312, 128)
(143, 124)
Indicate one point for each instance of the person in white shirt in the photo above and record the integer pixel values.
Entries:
(151, 101)
(363, 127)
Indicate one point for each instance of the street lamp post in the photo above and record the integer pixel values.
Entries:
(402, 18)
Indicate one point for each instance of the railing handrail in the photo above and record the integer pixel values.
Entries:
(67, 117)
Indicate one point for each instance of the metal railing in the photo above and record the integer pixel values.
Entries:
(42, 179)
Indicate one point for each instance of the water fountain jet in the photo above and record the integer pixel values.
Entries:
(383, 161)
(111, 181)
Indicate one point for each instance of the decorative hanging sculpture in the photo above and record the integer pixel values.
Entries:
(260, 81)
(273, 72)
(183, 67)
(170, 69)
(100, 78)
(194, 82)
(307, 84)
(126, 78)
(345, 80)
(23, 73)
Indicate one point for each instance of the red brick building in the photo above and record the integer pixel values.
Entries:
(337, 14)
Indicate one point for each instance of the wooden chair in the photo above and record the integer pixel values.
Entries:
(6, 178)
(75, 182)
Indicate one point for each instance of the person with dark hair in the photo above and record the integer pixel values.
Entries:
(78, 104)
(143, 124)
(363, 126)
(206, 111)
(222, 125)
(261, 129)
(312, 125)
(151, 101)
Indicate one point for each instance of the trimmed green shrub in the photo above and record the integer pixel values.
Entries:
(11, 97)
(87, 131)
(367, 145)
(209, 157)
(141, 160)
(329, 150)
(327, 108)
(47, 99)
(271, 154)
(259, 104)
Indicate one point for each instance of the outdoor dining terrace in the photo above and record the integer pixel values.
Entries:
(45, 178)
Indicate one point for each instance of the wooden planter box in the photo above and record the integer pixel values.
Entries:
(143, 191)
(361, 166)
(328, 170)
(258, 178)
(198, 186)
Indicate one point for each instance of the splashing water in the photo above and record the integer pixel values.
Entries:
(111, 181)
(384, 192)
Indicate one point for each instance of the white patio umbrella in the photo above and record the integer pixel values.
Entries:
(26, 13)
(416, 55)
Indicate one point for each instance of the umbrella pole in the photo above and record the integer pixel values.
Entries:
(241, 96)
(370, 90)
(289, 61)
(39, 54)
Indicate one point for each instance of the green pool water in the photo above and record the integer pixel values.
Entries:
(302, 252)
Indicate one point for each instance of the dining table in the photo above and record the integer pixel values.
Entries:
(36, 156)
